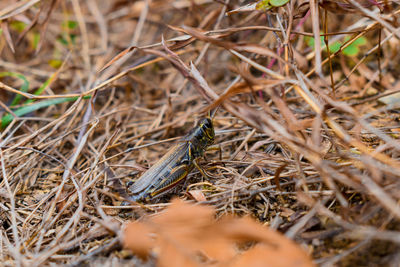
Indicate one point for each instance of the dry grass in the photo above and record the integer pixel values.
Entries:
(309, 137)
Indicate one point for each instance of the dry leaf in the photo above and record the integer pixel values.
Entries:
(189, 235)
(137, 238)
(286, 212)
(392, 99)
(197, 195)
(245, 8)
(261, 256)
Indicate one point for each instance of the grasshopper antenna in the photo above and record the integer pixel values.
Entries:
(211, 113)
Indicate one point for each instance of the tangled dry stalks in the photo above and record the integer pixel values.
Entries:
(92, 93)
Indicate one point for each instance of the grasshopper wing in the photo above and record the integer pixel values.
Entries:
(157, 171)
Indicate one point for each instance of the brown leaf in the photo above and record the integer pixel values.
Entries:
(197, 195)
(170, 253)
(262, 255)
(188, 235)
(192, 228)
(137, 238)
(286, 212)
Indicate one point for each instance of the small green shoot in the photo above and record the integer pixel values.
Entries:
(70, 24)
(34, 41)
(28, 106)
(7, 119)
(40, 90)
(68, 38)
(24, 86)
(64, 41)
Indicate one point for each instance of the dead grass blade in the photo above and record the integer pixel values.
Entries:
(320, 168)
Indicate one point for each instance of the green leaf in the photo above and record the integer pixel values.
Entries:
(354, 48)
(309, 41)
(333, 48)
(7, 119)
(40, 90)
(24, 86)
(263, 5)
(359, 41)
(351, 50)
(19, 26)
(278, 3)
(55, 63)
(65, 42)
(268, 4)
(35, 40)
(62, 41)
(70, 24)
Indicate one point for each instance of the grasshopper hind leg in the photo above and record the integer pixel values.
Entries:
(201, 170)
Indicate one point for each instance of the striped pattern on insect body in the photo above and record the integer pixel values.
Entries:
(174, 166)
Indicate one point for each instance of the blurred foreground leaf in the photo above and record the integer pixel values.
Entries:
(189, 235)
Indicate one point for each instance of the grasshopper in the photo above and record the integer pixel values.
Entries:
(175, 165)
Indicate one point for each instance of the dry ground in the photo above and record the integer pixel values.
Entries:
(309, 136)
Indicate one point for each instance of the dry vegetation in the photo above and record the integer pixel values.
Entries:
(94, 92)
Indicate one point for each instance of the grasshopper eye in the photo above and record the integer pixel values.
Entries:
(208, 123)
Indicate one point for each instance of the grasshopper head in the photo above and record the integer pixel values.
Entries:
(207, 132)
(208, 128)
(202, 135)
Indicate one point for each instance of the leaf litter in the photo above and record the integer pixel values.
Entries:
(93, 93)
